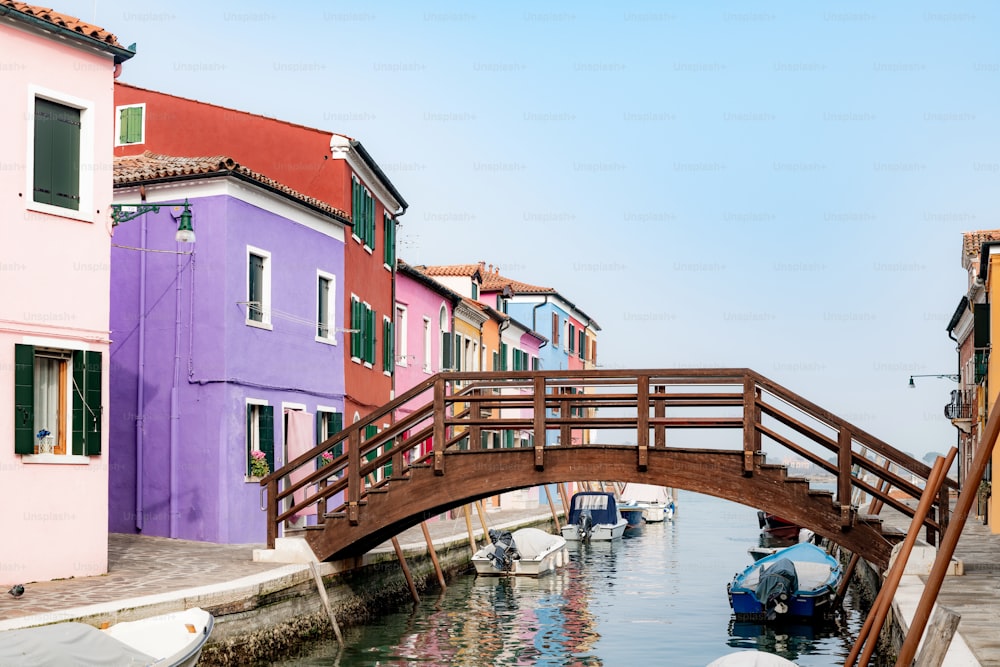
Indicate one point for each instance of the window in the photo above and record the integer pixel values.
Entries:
(326, 308)
(446, 341)
(389, 241)
(571, 338)
(363, 213)
(56, 154)
(503, 357)
(329, 423)
(427, 345)
(565, 334)
(475, 291)
(581, 348)
(459, 352)
(402, 358)
(57, 399)
(130, 125)
(520, 360)
(258, 287)
(362, 332)
(555, 329)
(388, 354)
(260, 432)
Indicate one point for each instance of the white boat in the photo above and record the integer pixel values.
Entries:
(593, 517)
(528, 552)
(655, 501)
(169, 640)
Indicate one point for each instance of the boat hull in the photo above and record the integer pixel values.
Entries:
(817, 576)
(601, 532)
(533, 562)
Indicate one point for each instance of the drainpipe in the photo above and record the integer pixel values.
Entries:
(534, 315)
(174, 407)
(140, 394)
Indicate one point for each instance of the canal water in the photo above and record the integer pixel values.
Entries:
(655, 598)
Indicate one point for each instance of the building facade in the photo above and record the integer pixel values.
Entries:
(55, 275)
(221, 348)
(330, 167)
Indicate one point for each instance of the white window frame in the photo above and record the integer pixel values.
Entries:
(428, 344)
(253, 433)
(331, 309)
(265, 305)
(61, 346)
(400, 332)
(88, 154)
(118, 124)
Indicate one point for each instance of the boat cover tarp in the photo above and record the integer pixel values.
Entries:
(751, 659)
(533, 542)
(777, 579)
(600, 505)
(67, 644)
(814, 567)
(645, 493)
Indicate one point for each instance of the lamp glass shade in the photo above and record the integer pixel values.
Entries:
(185, 232)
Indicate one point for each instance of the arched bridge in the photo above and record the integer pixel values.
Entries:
(459, 437)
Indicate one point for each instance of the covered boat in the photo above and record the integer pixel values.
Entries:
(655, 501)
(751, 659)
(527, 552)
(799, 582)
(168, 640)
(593, 516)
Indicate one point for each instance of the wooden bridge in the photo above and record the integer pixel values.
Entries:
(460, 437)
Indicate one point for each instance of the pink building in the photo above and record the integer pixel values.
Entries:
(57, 116)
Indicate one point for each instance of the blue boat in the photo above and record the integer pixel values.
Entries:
(798, 582)
(593, 517)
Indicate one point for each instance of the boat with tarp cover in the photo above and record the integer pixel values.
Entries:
(798, 582)
(593, 517)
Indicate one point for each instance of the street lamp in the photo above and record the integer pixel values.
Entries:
(944, 375)
(124, 212)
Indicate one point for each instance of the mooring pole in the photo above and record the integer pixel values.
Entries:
(406, 570)
(434, 556)
(883, 601)
(468, 526)
(321, 587)
(552, 507)
(950, 540)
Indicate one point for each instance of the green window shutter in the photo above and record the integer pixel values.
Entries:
(266, 424)
(334, 425)
(355, 217)
(446, 353)
(496, 361)
(131, 125)
(92, 403)
(503, 356)
(323, 308)
(79, 380)
(249, 436)
(371, 221)
(372, 338)
(24, 399)
(57, 155)
(387, 346)
(536, 363)
(581, 349)
(355, 328)
(508, 439)
(370, 432)
(255, 280)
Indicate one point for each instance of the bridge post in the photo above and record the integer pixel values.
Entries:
(844, 460)
(272, 512)
(539, 417)
(642, 425)
(353, 476)
(475, 430)
(751, 418)
(439, 430)
(659, 412)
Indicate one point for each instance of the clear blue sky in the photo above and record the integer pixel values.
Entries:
(768, 185)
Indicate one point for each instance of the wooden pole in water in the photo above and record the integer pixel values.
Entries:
(868, 636)
(406, 569)
(552, 506)
(939, 636)
(434, 556)
(314, 566)
(468, 526)
(563, 497)
(932, 586)
(481, 511)
(874, 507)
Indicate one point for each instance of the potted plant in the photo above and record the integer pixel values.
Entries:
(325, 459)
(258, 464)
(45, 443)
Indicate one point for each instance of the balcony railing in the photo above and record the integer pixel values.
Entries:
(961, 405)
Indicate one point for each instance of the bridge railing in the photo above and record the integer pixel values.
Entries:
(458, 413)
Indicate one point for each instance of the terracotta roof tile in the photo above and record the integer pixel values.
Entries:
(149, 166)
(492, 280)
(972, 242)
(63, 21)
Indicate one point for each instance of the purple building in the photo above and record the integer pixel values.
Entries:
(220, 348)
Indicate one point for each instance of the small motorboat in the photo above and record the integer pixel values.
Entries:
(774, 527)
(805, 535)
(526, 552)
(633, 516)
(797, 582)
(593, 517)
(168, 640)
(655, 501)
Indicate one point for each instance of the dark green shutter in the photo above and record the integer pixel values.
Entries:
(356, 327)
(372, 342)
(496, 361)
(256, 282)
(371, 221)
(77, 400)
(334, 425)
(323, 309)
(536, 363)
(508, 439)
(57, 155)
(266, 437)
(388, 341)
(581, 348)
(981, 324)
(370, 432)
(503, 356)
(24, 399)
(447, 343)
(92, 403)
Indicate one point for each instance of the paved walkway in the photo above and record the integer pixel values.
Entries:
(140, 566)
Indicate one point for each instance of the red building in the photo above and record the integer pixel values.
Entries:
(330, 167)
